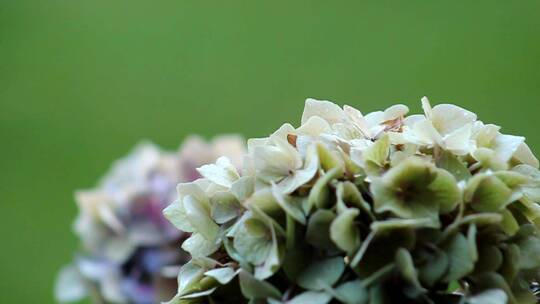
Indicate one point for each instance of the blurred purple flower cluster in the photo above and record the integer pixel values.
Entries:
(129, 252)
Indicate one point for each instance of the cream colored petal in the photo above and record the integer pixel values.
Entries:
(327, 110)
(222, 172)
(69, 286)
(426, 106)
(447, 118)
(459, 141)
(485, 134)
(281, 133)
(314, 126)
(506, 145)
(374, 118)
(524, 155)
(395, 111)
(356, 117)
(425, 133)
(272, 163)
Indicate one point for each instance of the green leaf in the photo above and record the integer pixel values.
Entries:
(512, 179)
(486, 193)
(311, 297)
(471, 239)
(444, 192)
(491, 258)
(393, 224)
(451, 163)
(297, 253)
(405, 266)
(529, 247)
(509, 224)
(378, 152)
(492, 280)
(318, 229)
(320, 194)
(461, 259)
(322, 274)
(291, 205)
(510, 266)
(344, 232)
(434, 267)
(415, 189)
(256, 289)
(349, 195)
(352, 292)
(328, 159)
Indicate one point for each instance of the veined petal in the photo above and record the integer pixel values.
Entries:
(327, 110)
(459, 141)
(222, 172)
(447, 118)
(505, 146)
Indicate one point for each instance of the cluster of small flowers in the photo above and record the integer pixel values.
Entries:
(129, 250)
(381, 208)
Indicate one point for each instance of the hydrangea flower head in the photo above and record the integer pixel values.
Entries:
(378, 208)
(129, 252)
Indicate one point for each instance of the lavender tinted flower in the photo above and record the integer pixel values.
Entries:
(128, 250)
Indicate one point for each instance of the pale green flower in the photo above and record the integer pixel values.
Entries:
(376, 208)
(415, 189)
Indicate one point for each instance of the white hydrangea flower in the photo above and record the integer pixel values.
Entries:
(337, 182)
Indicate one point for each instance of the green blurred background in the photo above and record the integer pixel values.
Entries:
(82, 81)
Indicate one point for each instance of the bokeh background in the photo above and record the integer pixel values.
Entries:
(81, 81)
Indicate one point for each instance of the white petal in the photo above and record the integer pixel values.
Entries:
(69, 286)
(199, 218)
(411, 120)
(301, 176)
(281, 133)
(314, 126)
(484, 134)
(273, 163)
(426, 106)
(448, 117)
(222, 172)
(327, 110)
(395, 111)
(222, 275)
(375, 118)
(358, 120)
(198, 246)
(459, 141)
(506, 145)
(176, 214)
(426, 133)
(252, 143)
(111, 288)
(525, 155)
